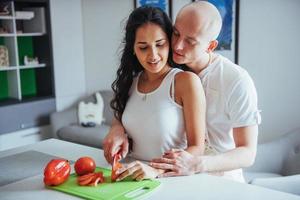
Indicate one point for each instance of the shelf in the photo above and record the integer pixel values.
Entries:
(7, 35)
(24, 15)
(20, 18)
(8, 68)
(9, 17)
(21, 34)
(29, 34)
(27, 94)
(32, 66)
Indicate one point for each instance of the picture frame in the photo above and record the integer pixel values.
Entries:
(165, 5)
(229, 35)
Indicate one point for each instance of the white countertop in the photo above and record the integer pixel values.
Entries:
(200, 186)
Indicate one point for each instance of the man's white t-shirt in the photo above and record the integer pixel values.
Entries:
(231, 100)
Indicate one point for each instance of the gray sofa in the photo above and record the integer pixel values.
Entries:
(65, 125)
(277, 164)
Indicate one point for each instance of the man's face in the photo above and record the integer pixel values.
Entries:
(187, 44)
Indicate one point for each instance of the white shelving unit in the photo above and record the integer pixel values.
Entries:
(27, 95)
(34, 27)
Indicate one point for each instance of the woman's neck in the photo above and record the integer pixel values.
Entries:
(152, 77)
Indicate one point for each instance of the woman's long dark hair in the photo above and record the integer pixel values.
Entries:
(130, 66)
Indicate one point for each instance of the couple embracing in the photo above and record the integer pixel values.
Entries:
(186, 109)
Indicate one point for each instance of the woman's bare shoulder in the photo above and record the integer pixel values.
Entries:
(186, 79)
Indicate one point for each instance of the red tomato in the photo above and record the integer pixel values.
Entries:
(91, 179)
(115, 166)
(84, 165)
(56, 172)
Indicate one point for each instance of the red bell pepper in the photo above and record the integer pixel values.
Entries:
(56, 172)
(115, 166)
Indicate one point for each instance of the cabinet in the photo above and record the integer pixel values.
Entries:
(24, 137)
(26, 64)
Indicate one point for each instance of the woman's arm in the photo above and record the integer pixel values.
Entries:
(116, 140)
(189, 93)
(179, 162)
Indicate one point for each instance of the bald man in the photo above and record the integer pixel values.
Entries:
(232, 115)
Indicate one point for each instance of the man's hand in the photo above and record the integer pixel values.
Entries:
(115, 141)
(176, 162)
(138, 171)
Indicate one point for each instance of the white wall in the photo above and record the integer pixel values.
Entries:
(103, 23)
(269, 42)
(268, 50)
(67, 38)
(176, 6)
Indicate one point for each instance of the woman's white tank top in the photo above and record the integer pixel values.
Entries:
(153, 120)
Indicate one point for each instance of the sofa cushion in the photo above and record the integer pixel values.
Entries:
(288, 184)
(250, 176)
(292, 164)
(92, 136)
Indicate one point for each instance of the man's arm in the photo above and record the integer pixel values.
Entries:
(116, 140)
(241, 107)
(242, 156)
(183, 163)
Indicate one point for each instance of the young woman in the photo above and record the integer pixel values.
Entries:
(160, 107)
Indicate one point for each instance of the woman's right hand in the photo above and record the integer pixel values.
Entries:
(138, 171)
(115, 141)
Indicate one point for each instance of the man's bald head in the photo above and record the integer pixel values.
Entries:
(204, 16)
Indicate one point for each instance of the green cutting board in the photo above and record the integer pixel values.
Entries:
(126, 189)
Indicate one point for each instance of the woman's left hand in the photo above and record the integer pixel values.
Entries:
(138, 171)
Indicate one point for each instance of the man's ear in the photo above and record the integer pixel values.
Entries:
(212, 46)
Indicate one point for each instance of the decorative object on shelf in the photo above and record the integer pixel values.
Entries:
(31, 61)
(4, 59)
(4, 9)
(27, 15)
(4, 30)
(91, 114)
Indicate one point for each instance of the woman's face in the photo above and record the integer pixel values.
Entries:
(151, 47)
